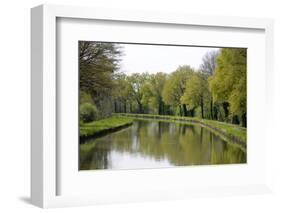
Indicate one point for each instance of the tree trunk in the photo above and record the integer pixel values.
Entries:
(180, 110)
(244, 120)
(140, 107)
(235, 119)
(225, 106)
(184, 110)
(118, 107)
(115, 106)
(160, 108)
(167, 110)
(202, 107)
(215, 113)
(211, 108)
(131, 108)
(125, 107)
(191, 112)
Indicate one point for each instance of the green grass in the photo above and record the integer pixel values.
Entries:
(216, 126)
(94, 127)
(231, 129)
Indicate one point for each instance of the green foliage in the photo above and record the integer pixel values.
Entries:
(121, 93)
(136, 89)
(229, 80)
(218, 87)
(84, 97)
(175, 85)
(98, 62)
(152, 91)
(121, 87)
(88, 112)
(196, 90)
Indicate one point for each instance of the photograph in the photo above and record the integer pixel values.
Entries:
(150, 106)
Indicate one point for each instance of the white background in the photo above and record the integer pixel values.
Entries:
(15, 105)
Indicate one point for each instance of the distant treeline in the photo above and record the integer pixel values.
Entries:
(217, 90)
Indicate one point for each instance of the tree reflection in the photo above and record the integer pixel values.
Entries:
(179, 144)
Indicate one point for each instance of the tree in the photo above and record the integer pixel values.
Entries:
(153, 90)
(174, 87)
(209, 63)
(196, 91)
(121, 93)
(98, 61)
(228, 84)
(137, 82)
(208, 68)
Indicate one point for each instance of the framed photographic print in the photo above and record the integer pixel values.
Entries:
(149, 106)
(152, 119)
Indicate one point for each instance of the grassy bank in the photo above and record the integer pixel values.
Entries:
(99, 127)
(231, 133)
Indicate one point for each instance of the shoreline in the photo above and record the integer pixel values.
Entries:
(102, 127)
(83, 138)
(234, 139)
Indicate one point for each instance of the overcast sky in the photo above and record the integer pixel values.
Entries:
(159, 58)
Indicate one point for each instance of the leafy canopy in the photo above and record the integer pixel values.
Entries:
(196, 90)
(229, 80)
(175, 85)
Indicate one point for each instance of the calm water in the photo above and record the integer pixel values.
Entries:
(148, 144)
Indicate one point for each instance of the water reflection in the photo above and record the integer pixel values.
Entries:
(149, 144)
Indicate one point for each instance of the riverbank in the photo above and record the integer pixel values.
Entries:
(229, 132)
(104, 126)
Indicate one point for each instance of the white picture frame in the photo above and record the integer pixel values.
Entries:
(44, 154)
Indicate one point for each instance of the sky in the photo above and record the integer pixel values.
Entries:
(139, 58)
